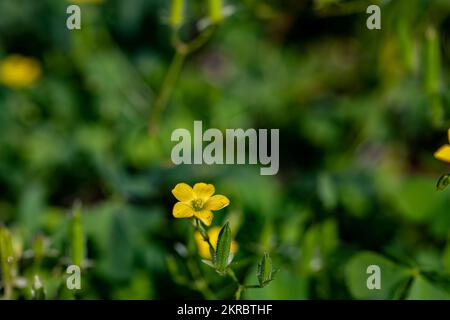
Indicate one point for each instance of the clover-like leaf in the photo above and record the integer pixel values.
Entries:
(393, 276)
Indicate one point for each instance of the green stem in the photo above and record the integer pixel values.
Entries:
(182, 50)
(240, 287)
(167, 88)
(200, 284)
(8, 291)
(198, 226)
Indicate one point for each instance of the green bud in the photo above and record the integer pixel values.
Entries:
(77, 238)
(443, 181)
(215, 11)
(265, 270)
(176, 13)
(222, 253)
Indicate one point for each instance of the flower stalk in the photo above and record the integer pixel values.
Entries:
(182, 51)
(215, 245)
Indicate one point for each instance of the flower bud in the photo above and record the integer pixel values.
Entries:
(176, 13)
(222, 253)
(215, 11)
(265, 270)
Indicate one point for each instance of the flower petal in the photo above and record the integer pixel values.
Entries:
(443, 153)
(205, 216)
(182, 210)
(234, 247)
(203, 246)
(183, 192)
(213, 234)
(203, 191)
(216, 202)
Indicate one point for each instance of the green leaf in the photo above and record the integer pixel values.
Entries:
(118, 263)
(416, 200)
(265, 271)
(422, 289)
(208, 263)
(326, 190)
(392, 276)
(443, 181)
(221, 256)
(288, 285)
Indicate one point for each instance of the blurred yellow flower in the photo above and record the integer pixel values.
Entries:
(443, 153)
(17, 71)
(197, 202)
(203, 246)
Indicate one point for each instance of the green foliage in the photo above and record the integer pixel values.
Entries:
(265, 271)
(393, 277)
(443, 182)
(360, 114)
(8, 261)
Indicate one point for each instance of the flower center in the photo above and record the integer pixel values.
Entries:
(197, 204)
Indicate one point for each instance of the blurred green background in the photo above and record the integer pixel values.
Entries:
(360, 114)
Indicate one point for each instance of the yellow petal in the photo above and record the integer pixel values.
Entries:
(183, 192)
(205, 216)
(216, 202)
(203, 191)
(213, 234)
(443, 153)
(234, 247)
(182, 210)
(203, 246)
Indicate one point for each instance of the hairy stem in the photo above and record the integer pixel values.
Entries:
(198, 226)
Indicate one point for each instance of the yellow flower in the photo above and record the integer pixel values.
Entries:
(17, 71)
(443, 153)
(197, 202)
(203, 246)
